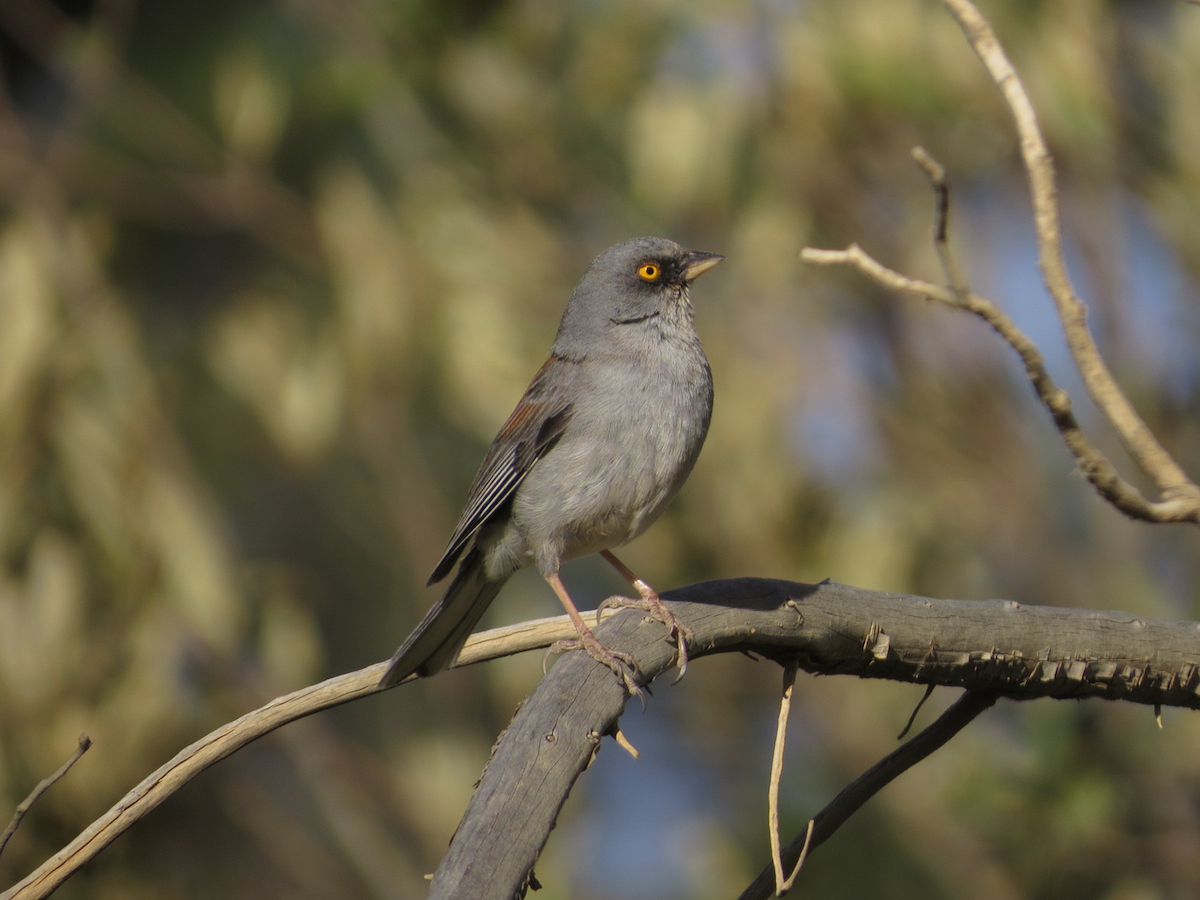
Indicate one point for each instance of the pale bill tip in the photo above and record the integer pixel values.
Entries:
(701, 263)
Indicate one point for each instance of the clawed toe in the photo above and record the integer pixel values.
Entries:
(622, 663)
(657, 610)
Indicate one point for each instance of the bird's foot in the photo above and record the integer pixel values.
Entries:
(624, 665)
(657, 610)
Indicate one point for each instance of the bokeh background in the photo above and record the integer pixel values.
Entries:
(272, 274)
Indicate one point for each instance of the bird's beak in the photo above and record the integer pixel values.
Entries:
(697, 263)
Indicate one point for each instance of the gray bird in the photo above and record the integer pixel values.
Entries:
(604, 436)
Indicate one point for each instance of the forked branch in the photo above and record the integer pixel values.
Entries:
(1179, 497)
(991, 647)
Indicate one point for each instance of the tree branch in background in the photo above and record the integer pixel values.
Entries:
(1096, 467)
(1039, 166)
(1180, 497)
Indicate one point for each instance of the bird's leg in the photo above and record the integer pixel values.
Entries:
(622, 663)
(653, 605)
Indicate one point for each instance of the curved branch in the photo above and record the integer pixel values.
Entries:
(231, 737)
(1039, 165)
(1094, 465)
(992, 646)
(1180, 497)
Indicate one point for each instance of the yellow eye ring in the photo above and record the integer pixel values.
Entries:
(648, 271)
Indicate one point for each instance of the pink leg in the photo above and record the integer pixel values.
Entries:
(653, 605)
(621, 663)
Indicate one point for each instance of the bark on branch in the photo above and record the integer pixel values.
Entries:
(992, 646)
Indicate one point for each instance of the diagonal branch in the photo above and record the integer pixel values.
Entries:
(189, 762)
(42, 786)
(558, 729)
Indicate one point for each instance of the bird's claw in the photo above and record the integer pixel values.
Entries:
(623, 664)
(658, 611)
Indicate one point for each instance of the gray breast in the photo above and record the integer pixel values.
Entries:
(635, 432)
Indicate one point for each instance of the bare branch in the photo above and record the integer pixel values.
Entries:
(996, 647)
(822, 826)
(42, 786)
(1180, 497)
(1039, 166)
(195, 758)
(991, 647)
(1094, 465)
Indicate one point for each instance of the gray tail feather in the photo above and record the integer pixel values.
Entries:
(435, 643)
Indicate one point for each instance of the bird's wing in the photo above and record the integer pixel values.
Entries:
(532, 429)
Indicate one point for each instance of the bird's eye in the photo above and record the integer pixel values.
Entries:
(648, 272)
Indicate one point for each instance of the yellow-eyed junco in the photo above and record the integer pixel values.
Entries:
(604, 436)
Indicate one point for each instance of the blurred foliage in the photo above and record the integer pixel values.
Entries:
(271, 275)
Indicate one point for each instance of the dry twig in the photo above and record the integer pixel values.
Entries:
(1039, 166)
(1180, 497)
(42, 786)
(782, 883)
(822, 826)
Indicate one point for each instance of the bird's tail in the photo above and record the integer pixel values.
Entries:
(435, 643)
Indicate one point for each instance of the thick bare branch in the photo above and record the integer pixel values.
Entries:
(993, 646)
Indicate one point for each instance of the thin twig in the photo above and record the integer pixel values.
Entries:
(42, 786)
(1180, 497)
(1094, 465)
(853, 796)
(916, 709)
(782, 884)
(1039, 166)
(941, 221)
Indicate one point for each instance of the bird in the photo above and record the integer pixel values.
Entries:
(605, 435)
